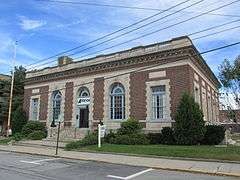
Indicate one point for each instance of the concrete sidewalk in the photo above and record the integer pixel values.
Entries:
(216, 168)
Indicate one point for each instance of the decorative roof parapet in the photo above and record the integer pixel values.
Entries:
(133, 52)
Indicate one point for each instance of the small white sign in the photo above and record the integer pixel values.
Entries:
(102, 130)
(101, 133)
(83, 101)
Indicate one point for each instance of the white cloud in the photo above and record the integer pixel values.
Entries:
(29, 24)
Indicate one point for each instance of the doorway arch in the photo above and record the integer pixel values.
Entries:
(83, 102)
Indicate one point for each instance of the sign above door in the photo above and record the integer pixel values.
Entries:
(83, 101)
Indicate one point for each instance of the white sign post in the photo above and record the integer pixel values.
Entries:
(101, 133)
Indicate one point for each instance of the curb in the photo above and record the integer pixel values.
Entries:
(154, 167)
(162, 157)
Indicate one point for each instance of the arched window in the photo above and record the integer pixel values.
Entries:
(117, 106)
(84, 93)
(57, 99)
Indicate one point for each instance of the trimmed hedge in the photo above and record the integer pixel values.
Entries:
(37, 135)
(214, 135)
(32, 126)
(155, 138)
(131, 126)
(130, 139)
(90, 139)
(165, 137)
(109, 137)
(168, 136)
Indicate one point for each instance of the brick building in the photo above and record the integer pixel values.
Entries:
(144, 82)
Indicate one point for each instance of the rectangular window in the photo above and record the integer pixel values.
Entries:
(158, 102)
(35, 108)
(197, 95)
(210, 118)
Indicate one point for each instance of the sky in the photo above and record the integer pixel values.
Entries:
(43, 28)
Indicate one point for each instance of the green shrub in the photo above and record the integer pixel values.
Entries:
(19, 119)
(189, 126)
(5, 140)
(131, 126)
(32, 126)
(37, 135)
(90, 139)
(168, 136)
(109, 137)
(17, 137)
(73, 145)
(214, 135)
(130, 139)
(155, 138)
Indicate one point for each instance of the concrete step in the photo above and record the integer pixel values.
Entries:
(40, 143)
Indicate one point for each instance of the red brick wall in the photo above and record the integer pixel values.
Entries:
(43, 103)
(26, 102)
(180, 82)
(138, 108)
(68, 104)
(43, 92)
(98, 92)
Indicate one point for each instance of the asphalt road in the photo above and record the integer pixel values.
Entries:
(15, 166)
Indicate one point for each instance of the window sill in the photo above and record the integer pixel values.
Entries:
(160, 121)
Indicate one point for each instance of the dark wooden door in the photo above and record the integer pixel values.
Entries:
(84, 118)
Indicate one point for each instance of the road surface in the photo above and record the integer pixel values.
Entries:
(14, 166)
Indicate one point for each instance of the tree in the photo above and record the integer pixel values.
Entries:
(18, 91)
(189, 126)
(230, 77)
(19, 119)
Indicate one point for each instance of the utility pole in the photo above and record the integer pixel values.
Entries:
(11, 91)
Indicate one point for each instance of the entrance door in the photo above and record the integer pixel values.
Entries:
(83, 119)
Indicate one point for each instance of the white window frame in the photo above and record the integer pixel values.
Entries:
(167, 115)
(158, 108)
(113, 97)
(57, 93)
(31, 108)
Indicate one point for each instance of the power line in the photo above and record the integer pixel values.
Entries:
(217, 32)
(142, 26)
(144, 68)
(107, 35)
(153, 32)
(214, 27)
(144, 35)
(129, 7)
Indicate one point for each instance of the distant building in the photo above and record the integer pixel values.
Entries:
(4, 97)
(144, 82)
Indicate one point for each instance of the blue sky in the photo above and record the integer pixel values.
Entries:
(43, 28)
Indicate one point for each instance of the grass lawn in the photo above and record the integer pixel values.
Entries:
(205, 152)
(5, 140)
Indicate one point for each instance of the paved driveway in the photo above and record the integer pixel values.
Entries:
(15, 166)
